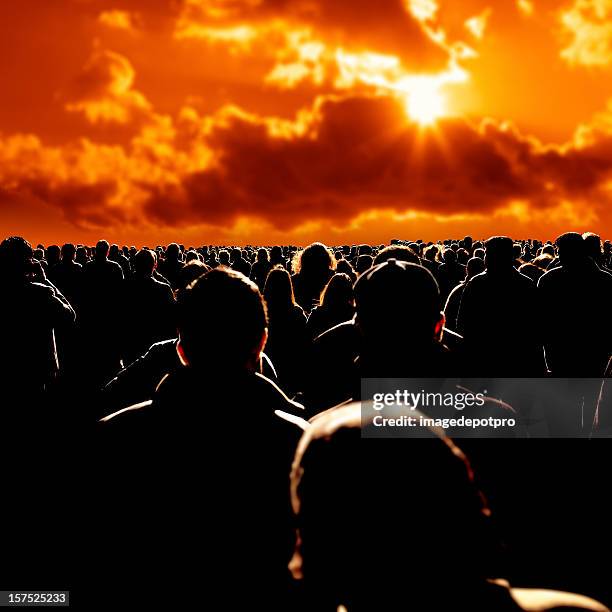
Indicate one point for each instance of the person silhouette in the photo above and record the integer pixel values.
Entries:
(498, 341)
(450, 273)
(170, 266)
(577, 328)
(149, 317)
(118, 257)
(337, 305)
(394, 524)
(287, 338)
(32, 309)
(100, 316)
(222, 327)
(313, 267)
(397, 333)
(475, 266)
(67, 275)
(260, 269)
(239, 263)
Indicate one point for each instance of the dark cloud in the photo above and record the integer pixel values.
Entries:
(81, 204)
(362, 154)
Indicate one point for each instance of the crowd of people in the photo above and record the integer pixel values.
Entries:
(218, 391)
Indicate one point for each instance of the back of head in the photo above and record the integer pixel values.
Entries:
(276, 254)
(224, 257)
(397, 302)
(338, 292)
(315, 260)
(53, 254)
(102, 249)
(15, 257)
(364, 262)
(278, 290)
(190, 272)
(475, 266)
(449, 256)
(499, 254)
(592, 244)
(173, 252)
(341, 480)
(222, 322)
(399, 252)
(145, 262)
(68, 252)
(572, 249)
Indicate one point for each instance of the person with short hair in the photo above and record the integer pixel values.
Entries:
(205, 464)
(149, 316)
(499, 342)
(32, 309)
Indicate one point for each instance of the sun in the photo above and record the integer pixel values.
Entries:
(425, 103)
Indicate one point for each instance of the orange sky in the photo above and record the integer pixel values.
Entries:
(266, 121)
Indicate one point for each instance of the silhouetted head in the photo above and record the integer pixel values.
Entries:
(345, 267)
(53, 254)
(401, 253)
(499, 254)
(114, 250)
(102, 249)
(224, 258)
(262, 256)
(68, 252)
(398, 302)
(462, 256)
(173, 252)
(81, 255)
(592, 245)
(190, 272)
(548, 249)
(449, 256)
(145, 262)
(15, 257)
(338, 292)
(431, 252)
(236, 254)
(339, 480)
(276, 255)
(475, 266)
(278, 290)
(364, 262)
(572, 249)
(315, 260)
(222, 322)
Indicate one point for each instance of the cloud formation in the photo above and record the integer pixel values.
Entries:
(272, 116)
(346, 157)
(588, 24)
(104, 92)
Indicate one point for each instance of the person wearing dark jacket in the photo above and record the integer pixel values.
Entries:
(32, 309)
(149, 316)
(204, 465)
